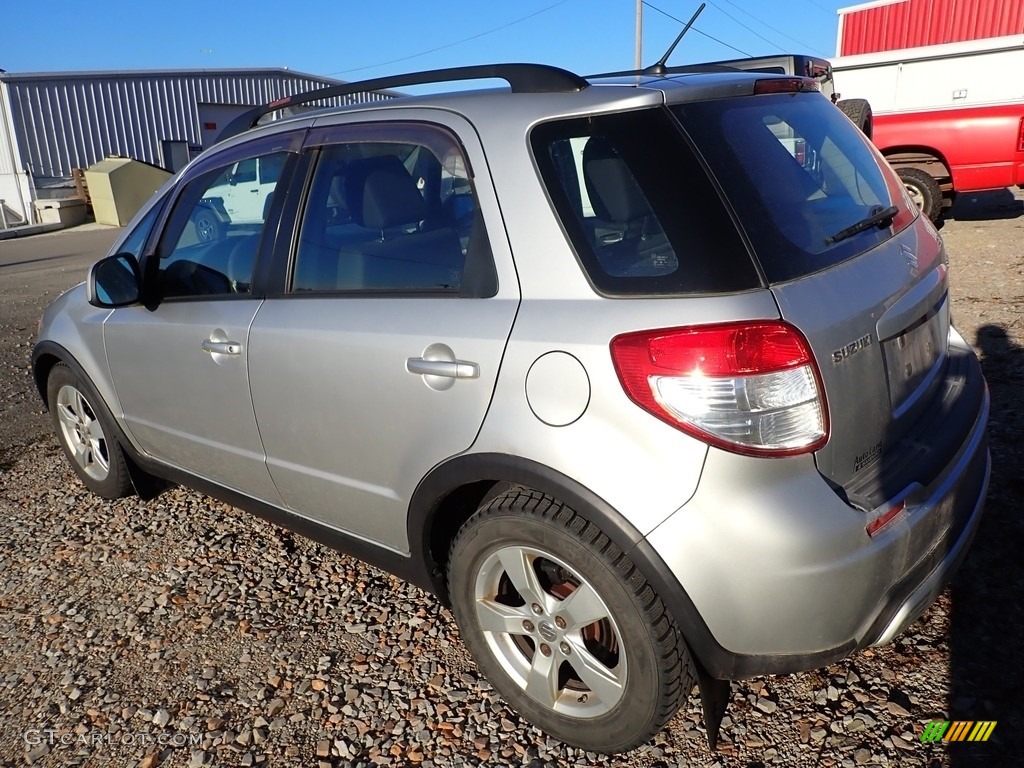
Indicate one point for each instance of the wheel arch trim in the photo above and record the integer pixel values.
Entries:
(45, 357)
(500, 468)
(46, 354)
(916, 156)
(497, 468)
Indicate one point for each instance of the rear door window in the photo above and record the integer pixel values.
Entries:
(391, 216)
(797, 172)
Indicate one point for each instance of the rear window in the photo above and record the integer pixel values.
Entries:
(797, 172)
(640, 211)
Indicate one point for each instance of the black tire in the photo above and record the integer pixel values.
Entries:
(924, 191)
(644, 671)
(85, 430)
(859, 112)
(208, 226)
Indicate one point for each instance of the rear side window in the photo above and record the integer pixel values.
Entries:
(797, 172)
(641, 213)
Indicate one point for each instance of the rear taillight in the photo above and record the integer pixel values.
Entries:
(749, 387)
(1020, 136)
(800, 152)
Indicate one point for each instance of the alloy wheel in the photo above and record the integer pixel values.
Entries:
(82, 432)
(550, 631)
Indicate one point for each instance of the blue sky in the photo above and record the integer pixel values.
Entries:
(352, 41)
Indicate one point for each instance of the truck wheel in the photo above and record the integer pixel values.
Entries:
(859, 112)
(207, 225)
(923, 189)
(562, 623)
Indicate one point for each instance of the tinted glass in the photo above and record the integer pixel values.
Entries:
(797, 172)
(641, 213)
(210, 244)
(385, 216)
(270, 168)
(136, 241)
(245, 171)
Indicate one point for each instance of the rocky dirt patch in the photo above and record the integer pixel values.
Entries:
(183, 632)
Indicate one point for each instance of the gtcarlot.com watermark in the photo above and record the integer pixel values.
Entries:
(54, 737)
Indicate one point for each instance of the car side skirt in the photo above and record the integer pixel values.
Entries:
(406, 567)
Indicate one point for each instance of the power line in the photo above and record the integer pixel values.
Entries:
(829, 11)
(451, 45)
(695, 29)
(749, 29)
(769, 26)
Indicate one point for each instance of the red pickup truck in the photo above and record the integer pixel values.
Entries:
(939, 153)
(949, 118)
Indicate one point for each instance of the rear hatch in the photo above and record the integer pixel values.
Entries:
(850, 266)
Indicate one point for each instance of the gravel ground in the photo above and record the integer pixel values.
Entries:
(183, 632)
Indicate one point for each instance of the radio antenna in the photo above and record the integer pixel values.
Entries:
(659, 68)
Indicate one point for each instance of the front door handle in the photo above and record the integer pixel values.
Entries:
(222, 347)
(450, 369)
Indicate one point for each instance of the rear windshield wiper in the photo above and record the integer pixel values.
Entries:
(879, 217)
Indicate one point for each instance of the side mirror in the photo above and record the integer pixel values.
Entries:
(115, 281)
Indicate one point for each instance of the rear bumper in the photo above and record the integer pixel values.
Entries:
(777, 574)
(948, 512)
(911, 598)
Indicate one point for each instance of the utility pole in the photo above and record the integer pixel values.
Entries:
(639, 61)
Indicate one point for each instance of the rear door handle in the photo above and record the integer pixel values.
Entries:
(222, 347)
(451, 369)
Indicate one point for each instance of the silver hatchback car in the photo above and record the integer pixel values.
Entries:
(651, 378)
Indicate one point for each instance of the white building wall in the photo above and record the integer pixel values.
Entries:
(14, 184)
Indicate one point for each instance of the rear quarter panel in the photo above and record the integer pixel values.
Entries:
(638, 464)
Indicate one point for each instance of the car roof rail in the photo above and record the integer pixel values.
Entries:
(522, 78)
(682, 69)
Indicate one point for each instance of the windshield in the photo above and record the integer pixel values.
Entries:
(797, 172)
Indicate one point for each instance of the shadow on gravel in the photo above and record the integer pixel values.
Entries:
(986, 206)
(987, 620)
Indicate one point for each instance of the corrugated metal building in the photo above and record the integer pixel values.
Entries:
(892, 25)
(54, 122)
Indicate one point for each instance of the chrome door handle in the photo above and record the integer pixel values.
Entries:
(222, 347)
(451, 369)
